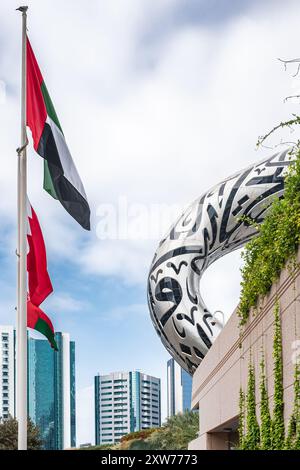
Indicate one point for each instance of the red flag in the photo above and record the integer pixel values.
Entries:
(39, 321)
(38, 278)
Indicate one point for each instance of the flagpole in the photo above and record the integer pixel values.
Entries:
(21, 386)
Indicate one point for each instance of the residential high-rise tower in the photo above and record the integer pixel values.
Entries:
(125, 402)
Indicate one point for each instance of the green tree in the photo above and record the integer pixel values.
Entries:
(265, 416)
(9, 435)
(278, 433)
(175, 434)
(252, 437)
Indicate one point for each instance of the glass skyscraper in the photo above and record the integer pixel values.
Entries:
(179, 388)
(51, 390)
(51, 386)
(125, 402)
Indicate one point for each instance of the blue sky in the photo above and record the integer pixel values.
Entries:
(158, 100)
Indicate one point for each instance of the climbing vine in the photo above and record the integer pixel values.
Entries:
(279, 236)
(278, 419)
(241, 430)
(265, 417)
(252, 437)
(293, 435)
(270, 434)
(264, 257)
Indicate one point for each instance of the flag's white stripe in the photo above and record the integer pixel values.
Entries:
(69, 168)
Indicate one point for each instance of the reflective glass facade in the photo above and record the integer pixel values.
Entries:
(73, 394)
(47, 395)
(179, 388)
(186, 381)
(41, 387)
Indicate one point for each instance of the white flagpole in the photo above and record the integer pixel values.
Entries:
(21, 388)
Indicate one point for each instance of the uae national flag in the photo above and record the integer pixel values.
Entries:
(38, 278)
(39, 283)
(61, 178)
(38, 320)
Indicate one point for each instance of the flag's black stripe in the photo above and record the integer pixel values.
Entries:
(68, 195)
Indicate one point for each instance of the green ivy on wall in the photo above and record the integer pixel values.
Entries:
(241, 429)
(279, 236)
(278, 418)
(293, 434)
(265, 417)
(252, 436)
(264, 258)
(270, 434)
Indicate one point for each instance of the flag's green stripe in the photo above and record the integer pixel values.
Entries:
(44, 328)
(49, 106)
(48, 183)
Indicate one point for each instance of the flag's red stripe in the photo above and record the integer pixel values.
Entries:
(36, 109)
(38, 278)
(32, 315)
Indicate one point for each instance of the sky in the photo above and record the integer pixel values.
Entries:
(158, 101)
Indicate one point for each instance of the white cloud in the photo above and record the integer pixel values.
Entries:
(121, 312)
(161, 132)
(63, 302)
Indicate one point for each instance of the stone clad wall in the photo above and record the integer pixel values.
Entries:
(217, 380)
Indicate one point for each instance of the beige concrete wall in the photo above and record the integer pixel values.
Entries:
(217, 380)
